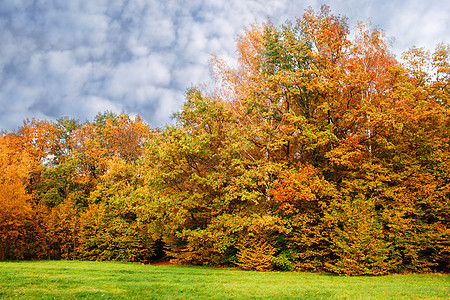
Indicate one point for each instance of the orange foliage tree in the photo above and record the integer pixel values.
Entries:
(15, 207)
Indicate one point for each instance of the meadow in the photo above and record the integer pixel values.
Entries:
(115, 280)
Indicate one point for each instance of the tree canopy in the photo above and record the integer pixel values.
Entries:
(318, 151)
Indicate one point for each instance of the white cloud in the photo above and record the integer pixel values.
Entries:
(167, 105)
(422, 25)
(93, 104)
(126, 78)
(81, 57)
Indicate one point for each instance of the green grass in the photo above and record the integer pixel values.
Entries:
(113, 280)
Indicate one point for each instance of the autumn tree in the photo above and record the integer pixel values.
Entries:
(15, 208)
(307, 94)
(318, 151)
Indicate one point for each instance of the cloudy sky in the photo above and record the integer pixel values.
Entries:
(80, 57)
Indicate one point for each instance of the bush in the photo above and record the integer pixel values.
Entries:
(256, 255)
(283, 261)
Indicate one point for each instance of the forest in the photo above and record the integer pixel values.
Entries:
(319, 151)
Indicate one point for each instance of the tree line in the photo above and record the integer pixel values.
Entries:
(319, 151)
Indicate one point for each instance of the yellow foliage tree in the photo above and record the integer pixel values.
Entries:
(15, 208)
(256, 255)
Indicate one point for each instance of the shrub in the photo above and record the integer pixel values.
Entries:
(256, 255)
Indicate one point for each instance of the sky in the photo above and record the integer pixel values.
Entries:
(80, 57)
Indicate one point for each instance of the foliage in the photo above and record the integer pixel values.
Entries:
(255, 255)
(16, 210)
(318, 151)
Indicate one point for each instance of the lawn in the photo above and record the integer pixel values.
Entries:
(114, 280)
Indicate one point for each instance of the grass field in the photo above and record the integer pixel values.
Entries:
(112, 280)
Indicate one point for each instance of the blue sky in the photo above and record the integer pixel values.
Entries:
(80, 57)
